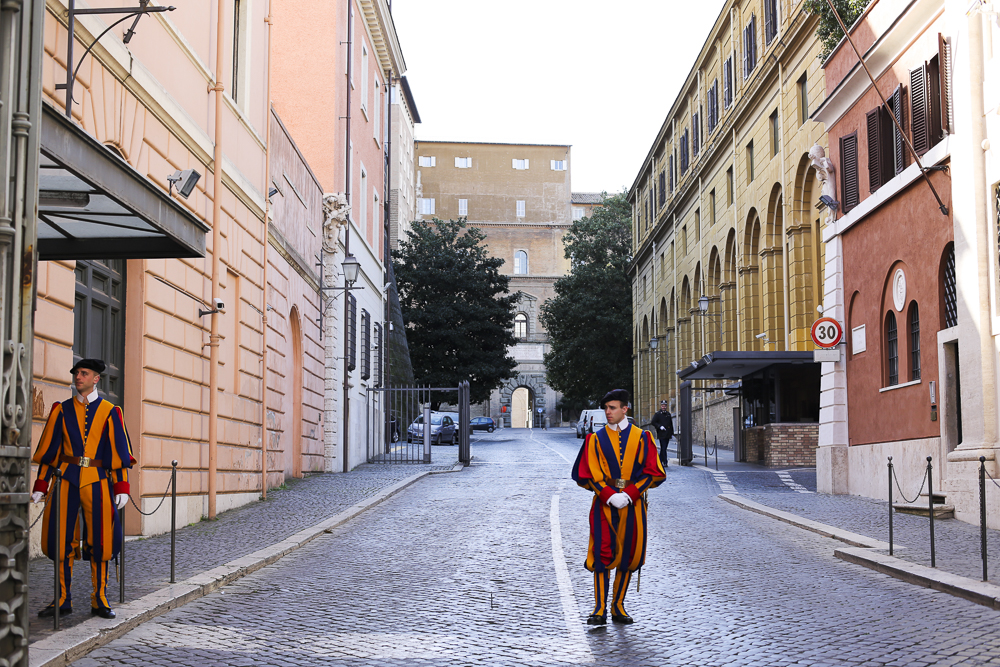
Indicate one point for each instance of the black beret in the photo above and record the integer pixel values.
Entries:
(95, 365)
(619, 395)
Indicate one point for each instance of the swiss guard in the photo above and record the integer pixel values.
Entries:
(619, 463)
(85, 438)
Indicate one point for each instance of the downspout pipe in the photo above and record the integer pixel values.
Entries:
(213, 344)
(347, 227)
(264, 306)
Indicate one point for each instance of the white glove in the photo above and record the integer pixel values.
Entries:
(37, 496)
(121, 499)
(619, 500)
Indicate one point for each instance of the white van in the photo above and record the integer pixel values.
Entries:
(587, 418)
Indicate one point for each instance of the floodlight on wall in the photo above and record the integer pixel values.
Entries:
(184, 181)
(828, 202)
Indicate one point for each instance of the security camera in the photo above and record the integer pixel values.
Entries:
(760, 336)
(184, 181)
(219, 303)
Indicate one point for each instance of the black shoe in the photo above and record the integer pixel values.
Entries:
(51, 611)
(103, 612)
(597, 619)
(623, 619)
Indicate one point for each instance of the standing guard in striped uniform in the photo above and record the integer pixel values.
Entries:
(619, 463)
(85, 438)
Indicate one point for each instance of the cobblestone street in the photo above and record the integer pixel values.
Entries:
(485, 567)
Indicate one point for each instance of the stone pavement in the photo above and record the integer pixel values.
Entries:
(484, 567)
(233, 534)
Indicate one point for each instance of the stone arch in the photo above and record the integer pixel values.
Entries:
(713, 285)
(772, 271)
(684, 339)
(806, 255)
(534, 382)
(295, 407)
(750, 287)
(727, 291)
(698, 322)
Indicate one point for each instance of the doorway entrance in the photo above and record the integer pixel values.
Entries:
(99, 320)
(520, 408)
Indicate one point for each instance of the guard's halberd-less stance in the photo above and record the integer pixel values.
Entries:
(619, 463)
(84, 437)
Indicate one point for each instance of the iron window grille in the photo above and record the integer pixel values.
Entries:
(950, 291)
(352, 332)
(892, 349)
(914, 342)
(366, 345)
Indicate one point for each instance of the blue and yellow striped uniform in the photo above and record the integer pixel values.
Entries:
(96, 431)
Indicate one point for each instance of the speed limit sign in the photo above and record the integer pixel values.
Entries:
(826, 332)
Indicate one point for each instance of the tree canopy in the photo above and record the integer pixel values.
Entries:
(589, 321)
(828, 30)
(457, 306)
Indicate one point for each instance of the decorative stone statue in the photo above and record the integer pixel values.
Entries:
(335, 211)
(824, 172)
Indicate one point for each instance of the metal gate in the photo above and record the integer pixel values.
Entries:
(395, 426)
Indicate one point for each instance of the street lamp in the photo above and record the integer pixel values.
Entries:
(351, 268)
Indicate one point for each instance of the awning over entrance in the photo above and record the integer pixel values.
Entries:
(92, 204)
(735, 365)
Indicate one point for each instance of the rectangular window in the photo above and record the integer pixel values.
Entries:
(713, 106)
(685, 156)
(352, 332)
(927, 105)
(426, 206)
(557, 165)
(579, 213)
(775, 133)
(697, 225)
(426, 161)
(463, 207)
(519, 164)
(364, 79)
(849, 171)
(711, 204)
(520, 208)
(684, 239)
(770, 20)
(750, 162)
(892, 349)
(695, 134)
(803, 100)
(663, 188)
(914, 342)
(727, 82)
(237, 53)
(376, 108)
(366, 345)
(673, 178)
(378, 354)
(886, 147)
(463, 163)
(750, 47)
(362, 219)
(729, 187)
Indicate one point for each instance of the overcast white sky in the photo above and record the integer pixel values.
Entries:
(594, 74)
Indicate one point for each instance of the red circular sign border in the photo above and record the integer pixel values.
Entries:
(840, 332)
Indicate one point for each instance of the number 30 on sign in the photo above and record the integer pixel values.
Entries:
(826, 332)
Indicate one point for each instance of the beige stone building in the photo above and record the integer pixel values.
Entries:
(584, 204)
(724, 213)
(519, 195)
(403, 188)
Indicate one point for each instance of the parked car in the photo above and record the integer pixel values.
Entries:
(483, 424)
(583, 424)
(443, 429)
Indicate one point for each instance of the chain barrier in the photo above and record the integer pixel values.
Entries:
(991, 478)
(899, 488)
(167, 491)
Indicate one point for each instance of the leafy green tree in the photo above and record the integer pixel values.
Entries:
(589, 321)
(457, 306)
(828, 30)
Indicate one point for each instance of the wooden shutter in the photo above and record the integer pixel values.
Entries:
(352, 332)
(874, 151)
(919, 109)
(768, 21)
(898, 142)
(849, 171)
(944, 81)
(366, 345)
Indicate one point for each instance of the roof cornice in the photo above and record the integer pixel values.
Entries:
(378, 18)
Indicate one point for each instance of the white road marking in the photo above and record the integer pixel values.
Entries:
(785, 477)
(574, 624)
(532, 436)
(721, 479)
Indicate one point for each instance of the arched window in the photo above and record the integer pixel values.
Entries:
(520, 263)
(892, 349)
(520, 326)
(914, 342)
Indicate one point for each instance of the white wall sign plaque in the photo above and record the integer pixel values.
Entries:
(899, 290)
(858, 341)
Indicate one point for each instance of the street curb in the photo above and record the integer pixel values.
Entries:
(979, 592)
(865, 551)
(76, 642)
(845, 536)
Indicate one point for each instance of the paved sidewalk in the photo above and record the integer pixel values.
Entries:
(232, 535)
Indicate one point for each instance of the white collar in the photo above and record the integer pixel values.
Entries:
(87, 400)
(620, 426)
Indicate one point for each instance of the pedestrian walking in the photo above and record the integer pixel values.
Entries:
(663, 425)
(618, 463)
(85, 438)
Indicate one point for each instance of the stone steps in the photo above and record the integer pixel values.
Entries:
(942, 510)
